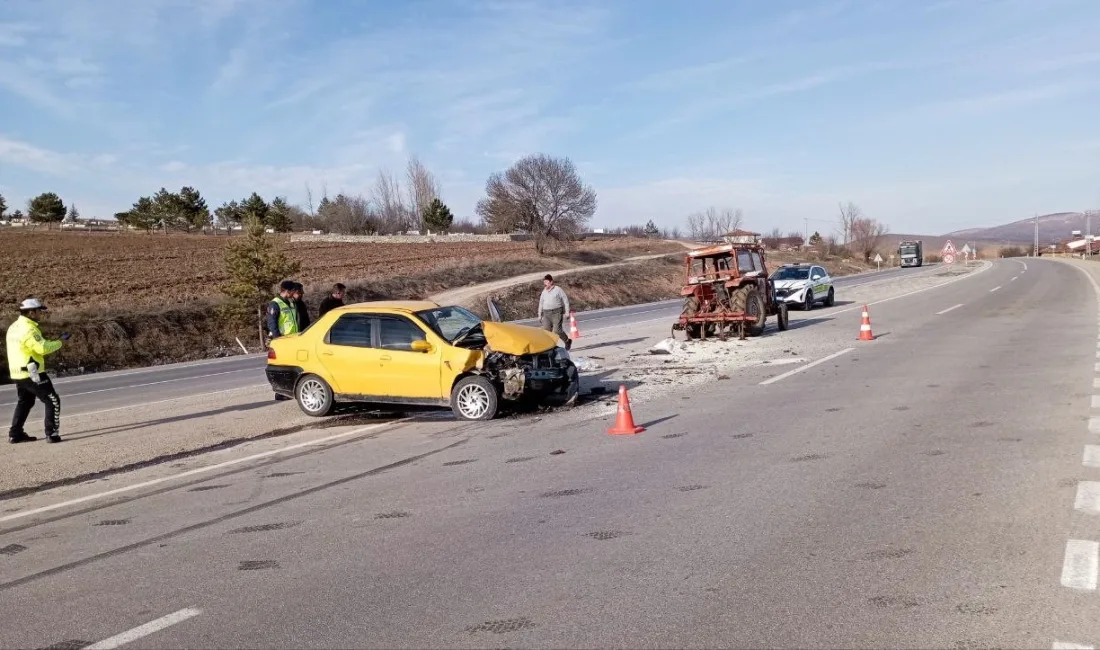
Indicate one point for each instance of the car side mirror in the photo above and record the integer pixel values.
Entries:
(420, 346)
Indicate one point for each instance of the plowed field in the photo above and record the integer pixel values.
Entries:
(135, 271)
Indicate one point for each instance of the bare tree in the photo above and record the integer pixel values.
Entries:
(349, 215)
(422, 188)
(848, 215)
(714, 222)
(393, 215)
(541, 195)
(696, 224)
(309, 200)
(867, 234)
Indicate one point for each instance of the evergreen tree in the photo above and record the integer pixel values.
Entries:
(255, 264)
(3, 206)
(651, 229)
(46, 208)
(278, 215)
(437, 216)
(73, 215)
(254, 207)
(194, 212)
(229, 215)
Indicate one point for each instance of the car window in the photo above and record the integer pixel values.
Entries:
(791, 273)
(398, 334)
(757, 262)
(352, 330)
(744, 262)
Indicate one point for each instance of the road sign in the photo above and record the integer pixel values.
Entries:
(949, 258)
(878, 260)
(966, 249)
(948, 253)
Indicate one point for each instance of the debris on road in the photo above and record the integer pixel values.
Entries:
(663, 347)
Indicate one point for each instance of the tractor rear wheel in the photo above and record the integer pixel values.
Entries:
(747, 300)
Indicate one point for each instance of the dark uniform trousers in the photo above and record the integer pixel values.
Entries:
(27, 391)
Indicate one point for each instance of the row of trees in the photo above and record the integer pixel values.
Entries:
(47, 208)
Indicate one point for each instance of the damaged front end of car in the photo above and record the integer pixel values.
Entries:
(548, 378)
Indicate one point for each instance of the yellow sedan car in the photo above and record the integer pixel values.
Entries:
(417, 353)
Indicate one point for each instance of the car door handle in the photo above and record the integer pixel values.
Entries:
(385, 357)
(327, 354)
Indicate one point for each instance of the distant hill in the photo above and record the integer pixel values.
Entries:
(1052, 227)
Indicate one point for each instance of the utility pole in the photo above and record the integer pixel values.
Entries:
(806, 241)
(1088, 233)
(1035, 253)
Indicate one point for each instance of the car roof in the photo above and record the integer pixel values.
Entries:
(405, 306)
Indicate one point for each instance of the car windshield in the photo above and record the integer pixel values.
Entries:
(909, 249)
(789, 273)
(450, 322)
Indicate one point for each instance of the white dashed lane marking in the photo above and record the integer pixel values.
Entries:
(1062, 645)
(1081, 563)
(940, 313)
(993, 289)
(142, 631)
(1088, 497)
(1092, 456)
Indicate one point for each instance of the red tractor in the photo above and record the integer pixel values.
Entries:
(728, 286)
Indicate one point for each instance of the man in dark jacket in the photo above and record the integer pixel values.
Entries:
(333, 300)
(300, 306)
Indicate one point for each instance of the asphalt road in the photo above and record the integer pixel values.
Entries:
(138, 388)
(916, 491)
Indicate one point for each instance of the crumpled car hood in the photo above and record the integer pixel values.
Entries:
(518, 339)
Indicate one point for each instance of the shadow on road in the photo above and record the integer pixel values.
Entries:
(807, 322)
(93, 433)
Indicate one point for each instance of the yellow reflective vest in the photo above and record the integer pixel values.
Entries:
(288, 316)
(25, 342)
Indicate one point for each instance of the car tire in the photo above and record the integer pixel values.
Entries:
(809, 304)
(783, 317)
(831, 298)
(314, 396)
(475, 398)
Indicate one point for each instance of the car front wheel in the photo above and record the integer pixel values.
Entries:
(809, 301)
(474, 398)
(831, 298)
(314, 396)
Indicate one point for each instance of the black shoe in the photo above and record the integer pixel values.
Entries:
(21, 438)
(53, 438)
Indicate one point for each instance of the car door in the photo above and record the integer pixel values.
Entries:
(408, 373)
(348, 353)
(820, 281)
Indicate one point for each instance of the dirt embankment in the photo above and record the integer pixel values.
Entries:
(138, 300)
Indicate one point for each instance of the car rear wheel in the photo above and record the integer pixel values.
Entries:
(475, 398)
(314, 396)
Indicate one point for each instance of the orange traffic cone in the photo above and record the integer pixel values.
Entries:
(865, 327)
(624, 420)
(574, 333)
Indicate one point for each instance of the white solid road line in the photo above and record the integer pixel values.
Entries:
(1094, 422)
(1080, 564)
(162, 401)
(941, 313)
(145, 630)
(1014, 278)
(1062, 645)
(1090, 459)
(1088, 497)
(993, 289)
(152, 383)
(197, 470)
(801, 368)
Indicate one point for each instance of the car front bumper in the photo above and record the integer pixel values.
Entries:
(791, 295)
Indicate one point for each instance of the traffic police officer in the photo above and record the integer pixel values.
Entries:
(282, 315)
(27, 350)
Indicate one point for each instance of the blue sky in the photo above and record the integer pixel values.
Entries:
(931, 115)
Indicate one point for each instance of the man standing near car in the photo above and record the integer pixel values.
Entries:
(27, 351)
(553, 306)
(282, 317)
(333, 300)
(300, 306)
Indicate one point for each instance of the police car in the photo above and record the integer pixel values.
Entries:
(804, 284)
